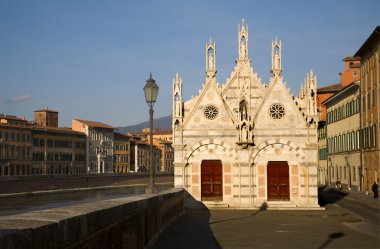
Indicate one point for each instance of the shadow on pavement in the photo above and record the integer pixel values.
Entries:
(262, 208)
(331, 238)
(192, 230)
(329, 195)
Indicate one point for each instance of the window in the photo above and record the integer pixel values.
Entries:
(375, 134)
(277, 111)
(368, 100)
(373, 97)
(211, 112)
(358, 141)
(364, 103)
(353, 173)
(355, 73)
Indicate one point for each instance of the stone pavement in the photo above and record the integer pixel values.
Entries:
(200, 227)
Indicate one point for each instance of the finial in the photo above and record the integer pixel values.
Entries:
(150, 75)
(210, 39)
(242, 21)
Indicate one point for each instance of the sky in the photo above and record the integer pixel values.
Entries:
(90, 59)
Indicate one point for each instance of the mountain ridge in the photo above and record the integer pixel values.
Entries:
(162, 123)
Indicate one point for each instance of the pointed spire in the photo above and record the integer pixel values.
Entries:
(276, 58)
(210, 58)
(243, 40)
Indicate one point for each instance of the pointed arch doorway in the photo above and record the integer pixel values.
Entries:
(278, 181)
(211, 180)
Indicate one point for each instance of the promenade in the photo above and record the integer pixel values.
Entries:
(200, 227)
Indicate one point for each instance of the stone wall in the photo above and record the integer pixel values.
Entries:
(132, 222)
(50, 182)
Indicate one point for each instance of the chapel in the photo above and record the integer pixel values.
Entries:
(245, 143)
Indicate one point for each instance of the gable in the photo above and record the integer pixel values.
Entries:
(208, 111)
(278, 109)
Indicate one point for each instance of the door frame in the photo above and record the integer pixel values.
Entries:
(201, 180)
(288, 182)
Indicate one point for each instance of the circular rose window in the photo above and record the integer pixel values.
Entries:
(277, 111)
(211, 112)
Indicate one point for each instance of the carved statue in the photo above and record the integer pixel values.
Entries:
(210, 61)
(177, 106)
(276, 60)
(243, 52)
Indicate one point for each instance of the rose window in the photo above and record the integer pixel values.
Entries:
(211, 112)
(277, 111)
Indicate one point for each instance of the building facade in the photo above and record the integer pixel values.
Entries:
(350, 74)
(369, 53)
(46, 117)
(99, 145)
(244, 143)
(343, 137)
(57, 151)
(122, 144)
(167, 154)
(141, 160)
(15, 146)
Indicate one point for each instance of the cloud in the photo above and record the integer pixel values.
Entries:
(19, 99)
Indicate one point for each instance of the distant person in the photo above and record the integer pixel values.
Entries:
(375, 189)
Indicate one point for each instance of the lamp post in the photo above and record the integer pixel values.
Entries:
(151, 92)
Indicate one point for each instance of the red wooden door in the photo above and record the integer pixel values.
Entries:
(278, 181)
(211, 180)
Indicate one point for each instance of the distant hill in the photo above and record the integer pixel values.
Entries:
(163, 123)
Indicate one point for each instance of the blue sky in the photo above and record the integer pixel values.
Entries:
(90, 59)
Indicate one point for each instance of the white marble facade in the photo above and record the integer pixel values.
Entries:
(246, 124)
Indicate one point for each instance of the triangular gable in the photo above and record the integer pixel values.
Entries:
(209, 95)
(243, 69)
(277, 93)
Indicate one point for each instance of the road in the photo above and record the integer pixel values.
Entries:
(16, 205)
(366, 210)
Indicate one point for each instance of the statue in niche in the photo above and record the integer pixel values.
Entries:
(276, 60)
(210, 61)
(243, 110)
(243, 52)
(177, 105)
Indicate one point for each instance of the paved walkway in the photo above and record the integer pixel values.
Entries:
(200, 227)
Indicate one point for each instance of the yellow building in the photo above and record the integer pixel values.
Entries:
(58, 151)
(343, 129)
(122, 152)
(370, 108)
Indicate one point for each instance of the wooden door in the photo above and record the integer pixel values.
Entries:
(278, 181)
(211, 180)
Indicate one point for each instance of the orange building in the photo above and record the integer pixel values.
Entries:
(369, 53)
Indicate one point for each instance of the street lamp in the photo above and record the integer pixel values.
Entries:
(151, 92)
